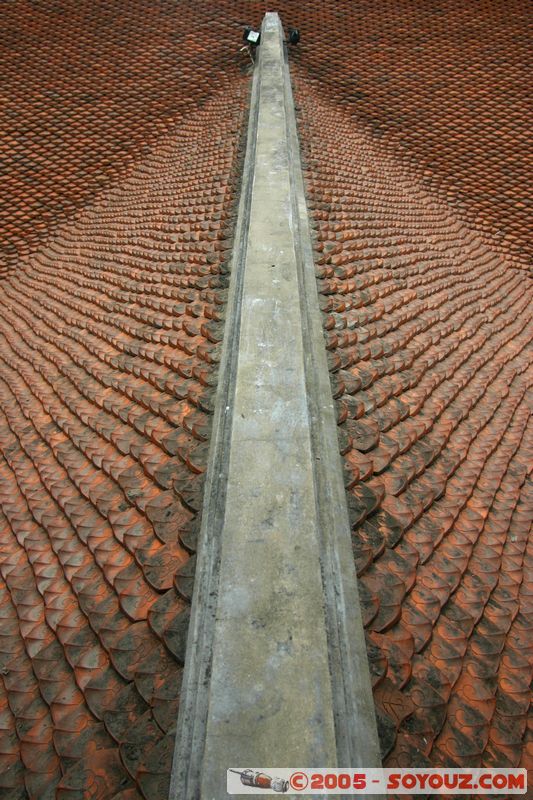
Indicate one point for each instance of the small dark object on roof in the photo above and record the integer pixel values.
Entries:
(294, 35)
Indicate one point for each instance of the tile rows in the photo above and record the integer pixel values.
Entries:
(109, 343)
(415, 128)
(446, 85)
(428, 333)
(87, 88)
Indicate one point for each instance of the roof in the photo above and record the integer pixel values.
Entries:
(427, 331)
(443, 85)
(414, 125)
(88, 89)
(122, 165)
(109, 341)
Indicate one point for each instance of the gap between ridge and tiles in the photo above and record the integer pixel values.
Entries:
(276, 670)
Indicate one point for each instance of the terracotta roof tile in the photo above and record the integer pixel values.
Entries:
(109, 346)
(433, 432)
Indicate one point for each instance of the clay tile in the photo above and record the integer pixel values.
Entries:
(99, 775)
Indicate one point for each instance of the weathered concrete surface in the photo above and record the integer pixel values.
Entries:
(277, 671)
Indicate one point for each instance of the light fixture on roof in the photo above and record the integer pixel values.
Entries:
(251, 36)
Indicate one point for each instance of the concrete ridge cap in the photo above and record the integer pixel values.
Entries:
(344, 722)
